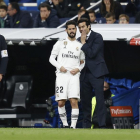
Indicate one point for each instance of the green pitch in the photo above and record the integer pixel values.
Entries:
(68, 134)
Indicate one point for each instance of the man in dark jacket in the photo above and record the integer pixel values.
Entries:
(46, 18)
(92, 76)
(3, 57)
(18, 18)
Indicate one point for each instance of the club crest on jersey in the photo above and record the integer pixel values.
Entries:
(77, 48)
(57, 95)
(65, 43)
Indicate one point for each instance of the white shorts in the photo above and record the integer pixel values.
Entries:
(67, 86)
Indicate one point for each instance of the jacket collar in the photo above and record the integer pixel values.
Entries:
(88, 34)
(91, 35)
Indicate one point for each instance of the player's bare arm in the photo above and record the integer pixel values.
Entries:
(62, 69)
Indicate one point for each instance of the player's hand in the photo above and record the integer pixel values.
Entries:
(74, 71)
(83, 37)
(81, 62)
(62, 69)
(0, 77)
(55, 2)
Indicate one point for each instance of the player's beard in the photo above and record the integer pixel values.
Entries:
(72, 35)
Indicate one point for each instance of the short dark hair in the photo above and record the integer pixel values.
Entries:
(44, 5)
(71, 22)
(3, 7)
(110, 14)
(84, 20)
(92, 11)
(15, 5)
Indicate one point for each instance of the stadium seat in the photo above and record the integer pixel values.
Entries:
(23, 8)
(27, 1)
(6, 1)
(16, 101)
(123, 6)
(62, 20)
(33, 14)
(17, 95)
(101, 20)
(39, 2)
(132, 20)
(98, 15)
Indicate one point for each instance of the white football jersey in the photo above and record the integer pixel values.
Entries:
(68, 53)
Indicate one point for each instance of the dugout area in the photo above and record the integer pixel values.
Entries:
(34, 61)
(26, 59)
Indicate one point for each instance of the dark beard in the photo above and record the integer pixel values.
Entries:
(72, 36)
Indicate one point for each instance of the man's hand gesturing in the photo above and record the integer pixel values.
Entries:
(83, 37)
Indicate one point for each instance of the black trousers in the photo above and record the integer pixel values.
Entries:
(87, 85)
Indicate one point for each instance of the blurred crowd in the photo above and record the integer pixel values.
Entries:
(51, 11)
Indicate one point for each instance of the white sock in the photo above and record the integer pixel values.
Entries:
(74, 117)
(63, 115)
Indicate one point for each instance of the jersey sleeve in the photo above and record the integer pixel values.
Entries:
(82, 57)
(54, 54)
(55, 50)
(3, 55)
